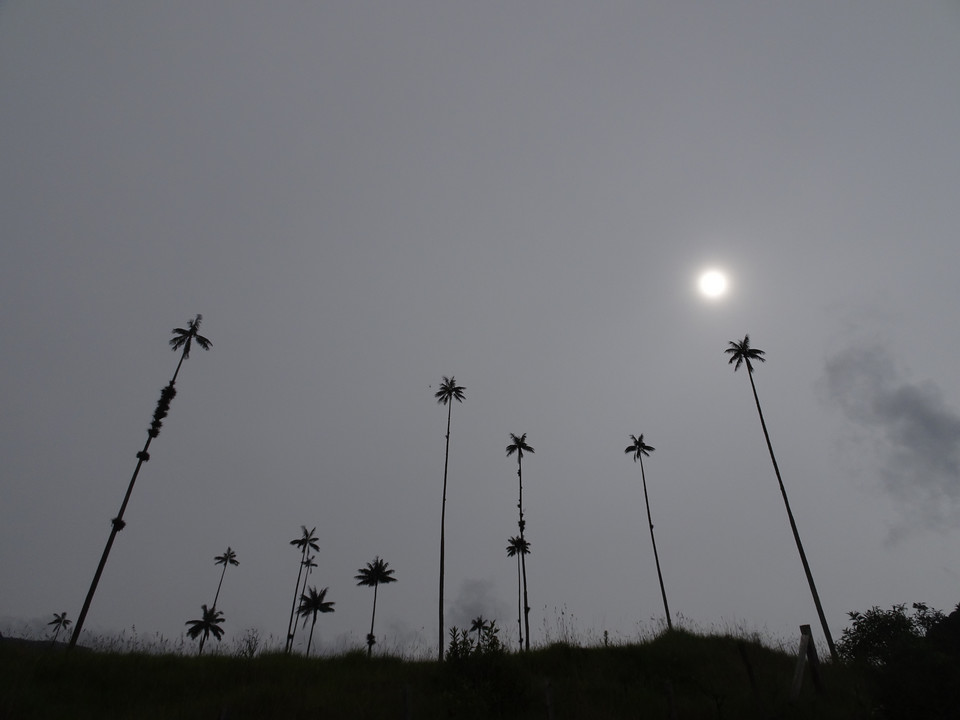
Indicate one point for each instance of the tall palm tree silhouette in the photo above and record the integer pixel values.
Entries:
(639, 449)
(306, 542)
(311, 603)
(741, 353)
(519, 445)
(228, 558)
(376, 573)
(208, 625)
(59, 623)
(517, 547)
(448, 392)
(182, 340)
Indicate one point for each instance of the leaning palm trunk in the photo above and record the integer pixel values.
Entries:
(291, 626)
(163, 407)
(793, 524)
(656, 556)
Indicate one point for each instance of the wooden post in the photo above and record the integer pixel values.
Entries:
(806, 652)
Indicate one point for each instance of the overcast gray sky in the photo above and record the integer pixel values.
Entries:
(363, 197)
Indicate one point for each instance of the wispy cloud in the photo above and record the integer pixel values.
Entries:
(916, 434)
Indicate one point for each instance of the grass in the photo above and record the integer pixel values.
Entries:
(678, 674)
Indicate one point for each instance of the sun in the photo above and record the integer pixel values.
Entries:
(712, 284)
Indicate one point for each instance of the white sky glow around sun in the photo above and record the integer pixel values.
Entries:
(712, 284)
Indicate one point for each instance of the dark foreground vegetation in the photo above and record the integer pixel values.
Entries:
(676, 675)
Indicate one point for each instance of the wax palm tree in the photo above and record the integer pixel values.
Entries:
(183, 340)
(59, 623)
(478, 625)
(448, 392)
(311, 603)
(742, 354)
(376, 573)
(228, 558)
(518, 446)
(306, 542)
(208, 625)
(517, 547)
(639, 450)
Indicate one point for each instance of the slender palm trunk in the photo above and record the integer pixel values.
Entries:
(219, 585)
(312, 626)
(372, 618)
(203, 639)
(656, 557)
(291, 628)
(117, 522)
(443, 519)
(519, 604)
(793, 524)
(523, 558)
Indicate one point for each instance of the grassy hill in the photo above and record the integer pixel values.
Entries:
(676, 675)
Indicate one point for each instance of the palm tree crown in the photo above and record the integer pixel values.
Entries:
(311, 603)
(741, 352)
(59, 623)
(228, 558)
(184, 337)
(517, 545)
(208, 625)
(639, 447)
(518, 446)
(375, 573)
(449, 390)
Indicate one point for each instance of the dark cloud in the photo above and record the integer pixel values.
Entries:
(915, 435)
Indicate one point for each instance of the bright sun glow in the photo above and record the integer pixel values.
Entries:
(713, 284)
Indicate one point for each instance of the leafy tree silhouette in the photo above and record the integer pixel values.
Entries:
(448, 392)
(183, 339)
(228, 558)
(311, 603)
(376, 573)
(515, 548)
(208, 625)
(741, 353)
(519, 445)
(639, 449)
(306, 542)
(59, 623)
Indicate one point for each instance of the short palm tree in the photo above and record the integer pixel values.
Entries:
(59, 623)
(518, 445)
(742, 354)
(228, 558)
(639, 450)
(517, 547)
(311, 603)
(374, 575)
(478, 625)
(208, 625)
(182, 340)
(306, 542)
(448, 392)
